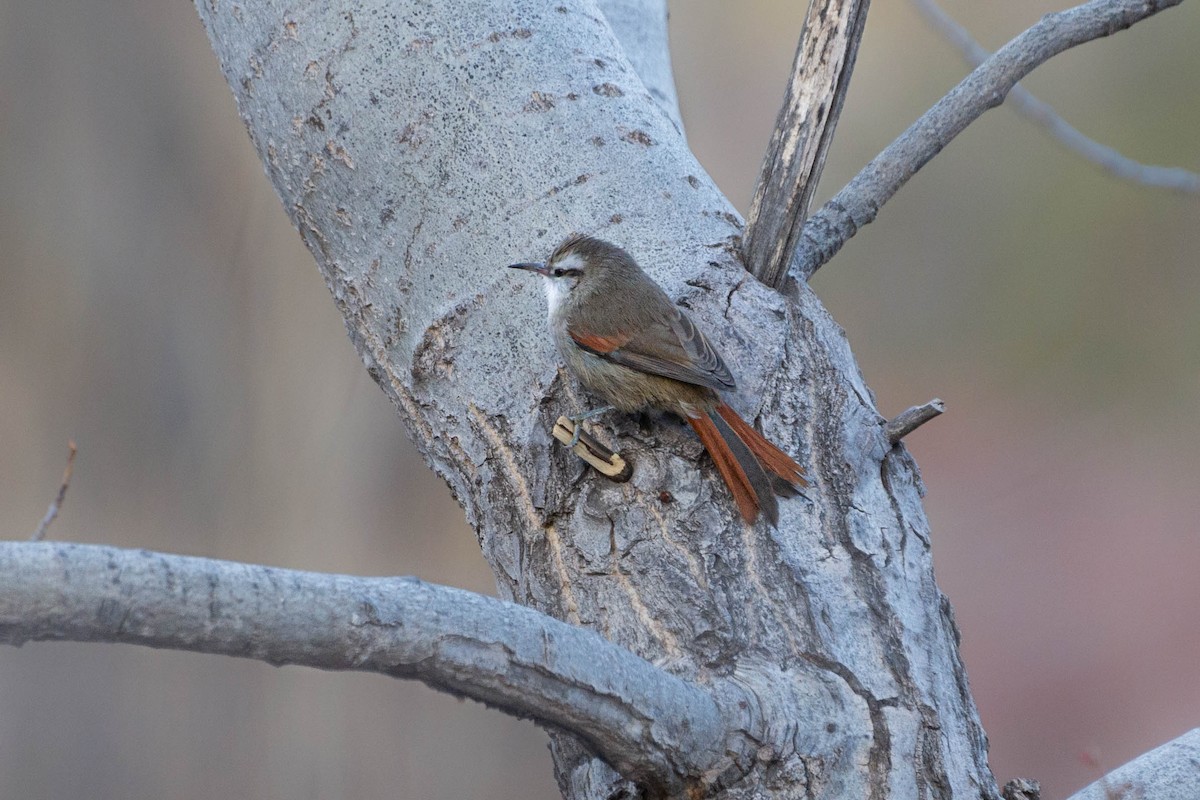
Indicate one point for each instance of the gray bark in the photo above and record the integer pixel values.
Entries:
(421, 147)
(650, 725)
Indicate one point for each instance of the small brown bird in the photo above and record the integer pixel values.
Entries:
(628, 343)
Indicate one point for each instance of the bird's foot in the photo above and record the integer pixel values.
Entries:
(577, 419)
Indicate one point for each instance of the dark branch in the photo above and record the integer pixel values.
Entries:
(796, 154)
(56, 504)
(1103, 156)
(908, 421)
(648, 725)
(859, 201)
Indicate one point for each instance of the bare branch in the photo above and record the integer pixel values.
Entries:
(1103, 156)
(908, 421)
(796, 154)
(859, 201)
(649, 725)
(56, 504)
(1168, 772)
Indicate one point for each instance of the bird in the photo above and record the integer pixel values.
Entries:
(626, 342)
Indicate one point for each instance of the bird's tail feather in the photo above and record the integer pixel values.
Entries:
(747, 481)
(771, 457)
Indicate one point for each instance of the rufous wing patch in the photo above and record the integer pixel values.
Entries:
(597, 343)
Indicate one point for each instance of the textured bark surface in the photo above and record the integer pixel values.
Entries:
(646, 723)
(421, 147)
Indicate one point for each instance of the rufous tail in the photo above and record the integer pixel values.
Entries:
(743, 457)
(773, 459)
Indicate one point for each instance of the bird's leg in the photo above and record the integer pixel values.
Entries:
(576, 419)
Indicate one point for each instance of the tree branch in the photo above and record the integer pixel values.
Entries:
(803, 132)
(1168, 772)
(1103, 156)
(647, 724)
(910, 419)
(858, 203)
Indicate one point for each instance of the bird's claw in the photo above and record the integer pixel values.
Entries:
(575, 436)
(577, 422)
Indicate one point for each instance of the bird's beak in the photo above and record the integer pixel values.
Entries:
(533, 266)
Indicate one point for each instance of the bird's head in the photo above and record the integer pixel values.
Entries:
(580, 263)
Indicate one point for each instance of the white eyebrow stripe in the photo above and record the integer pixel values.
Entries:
(570, 261)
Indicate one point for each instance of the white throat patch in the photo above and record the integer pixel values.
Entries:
(559, 289)
(557, 292)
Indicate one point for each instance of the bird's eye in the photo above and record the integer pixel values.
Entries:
(559, 272)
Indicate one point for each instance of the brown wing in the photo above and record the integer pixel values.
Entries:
(669, 345)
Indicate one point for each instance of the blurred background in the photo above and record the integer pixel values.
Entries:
(156, 306)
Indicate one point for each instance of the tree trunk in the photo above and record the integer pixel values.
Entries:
(419, 148)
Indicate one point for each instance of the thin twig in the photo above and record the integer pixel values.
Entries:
(908, 421)
(858, 203)
(52, 511)
(803, 132)
(650, 725)
(1103, 156)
